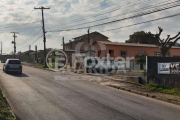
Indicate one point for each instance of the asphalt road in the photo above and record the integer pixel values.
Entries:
(45, 95)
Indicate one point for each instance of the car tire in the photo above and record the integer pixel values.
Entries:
(5, 71)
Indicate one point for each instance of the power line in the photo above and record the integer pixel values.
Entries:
(22, 24)
(111, 22)
(157, 9)
(26, 41)
(39, 30)
(106, 12)
(32, 42)
(144, 22)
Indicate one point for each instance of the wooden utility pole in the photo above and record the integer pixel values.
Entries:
(29, 58)
(44, 32)
(36, 58)
(1, 52)
(1, 48)
(14, 42)
(63, 43)
(89, 49)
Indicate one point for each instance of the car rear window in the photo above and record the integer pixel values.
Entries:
(14, 62)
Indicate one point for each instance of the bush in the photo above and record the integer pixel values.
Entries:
(163, 89)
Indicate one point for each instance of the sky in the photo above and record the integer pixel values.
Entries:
(65, 17)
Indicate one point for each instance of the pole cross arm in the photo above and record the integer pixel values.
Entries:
(41, 8)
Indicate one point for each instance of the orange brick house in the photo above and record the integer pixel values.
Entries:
(101, 46)
(116, 49)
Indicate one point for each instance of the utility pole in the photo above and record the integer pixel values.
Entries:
(44, 32)
(89, 43)
(1, 48)
(36, 59)
(1, 52)
(63, 44)
(29, 53)
(14, 42)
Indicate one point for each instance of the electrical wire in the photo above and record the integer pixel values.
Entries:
(32, 42)
(104, 12)
(111, 22)
(156, 9)
(174, 15)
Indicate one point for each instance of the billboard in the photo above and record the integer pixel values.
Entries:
(169, 68)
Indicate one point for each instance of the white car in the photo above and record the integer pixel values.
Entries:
(12, 65)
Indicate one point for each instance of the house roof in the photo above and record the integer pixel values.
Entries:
(130, 44)
(27, 51)
(91, 34)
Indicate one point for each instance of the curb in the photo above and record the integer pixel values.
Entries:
(113, 79)
(145, 94)
(37, 67)
(119, 80)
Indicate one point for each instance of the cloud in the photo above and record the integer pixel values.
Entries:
(69, 14)
(42, 2)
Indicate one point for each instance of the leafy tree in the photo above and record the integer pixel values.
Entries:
(142, 37)
(141, 60)
(165, 45)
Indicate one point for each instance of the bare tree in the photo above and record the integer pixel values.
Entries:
(165, 45)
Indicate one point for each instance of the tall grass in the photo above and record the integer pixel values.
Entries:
(163, 89)
(5, 113)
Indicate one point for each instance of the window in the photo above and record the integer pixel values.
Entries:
(14, 62)
(67, 47)
(157, 54)
(123, 53)
(141, 52)
(111, 53)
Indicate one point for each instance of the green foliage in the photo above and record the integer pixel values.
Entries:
(5, 113)
(42, 65)
(141, 60)
(163, 89)
(142, 37)
(164, 45)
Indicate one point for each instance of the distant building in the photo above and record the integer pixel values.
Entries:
(80, 45)
(24, 56)
(40, 56)
(116, 49)
(30, 56)
(94, 36)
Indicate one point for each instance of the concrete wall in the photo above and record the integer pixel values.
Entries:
(170, 80)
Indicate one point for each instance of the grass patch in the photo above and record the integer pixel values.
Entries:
(5, 113)
(163, 89)
(141, 71)
(41, 65)
(136, 71)
(52, 65)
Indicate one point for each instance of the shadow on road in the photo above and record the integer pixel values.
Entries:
(18, 75)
